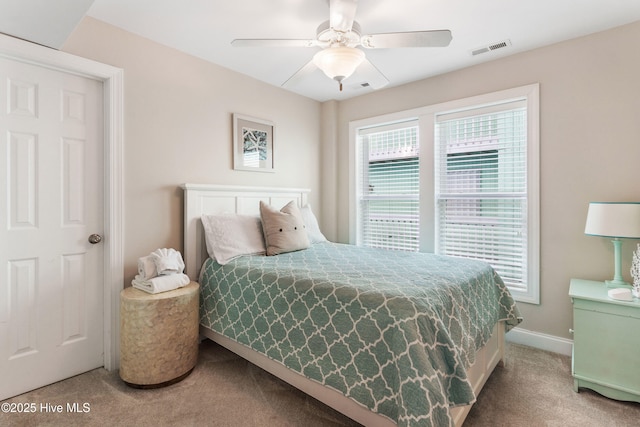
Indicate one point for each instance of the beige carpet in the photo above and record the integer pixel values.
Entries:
(534, 389)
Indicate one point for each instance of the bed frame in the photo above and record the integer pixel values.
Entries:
(213, 199)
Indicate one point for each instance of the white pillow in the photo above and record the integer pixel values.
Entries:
(311, 223)
(229, 236)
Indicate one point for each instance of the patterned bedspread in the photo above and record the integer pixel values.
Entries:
(394, 331)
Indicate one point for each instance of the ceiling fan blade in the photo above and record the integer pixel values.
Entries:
(369, 73)
(436, 38)
(272, 43)
(299, 75)
(341, 14)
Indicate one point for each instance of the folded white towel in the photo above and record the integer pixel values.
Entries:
(161, 283)
(168, 261)
(147, 268)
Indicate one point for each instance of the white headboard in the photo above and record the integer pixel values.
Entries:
(202, 199)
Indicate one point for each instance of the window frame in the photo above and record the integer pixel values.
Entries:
(426, 117)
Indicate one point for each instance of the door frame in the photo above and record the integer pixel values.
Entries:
(113, 94)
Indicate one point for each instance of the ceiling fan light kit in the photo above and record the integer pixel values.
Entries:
(339, 38)
(338, 62)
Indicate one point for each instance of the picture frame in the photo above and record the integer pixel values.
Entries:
(253, 141)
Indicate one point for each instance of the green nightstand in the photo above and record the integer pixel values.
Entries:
(606, 342)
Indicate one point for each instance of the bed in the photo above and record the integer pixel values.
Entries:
(384, 348)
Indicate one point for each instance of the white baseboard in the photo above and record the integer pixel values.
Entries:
(540, 340)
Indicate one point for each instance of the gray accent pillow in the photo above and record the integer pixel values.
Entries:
(284, 229)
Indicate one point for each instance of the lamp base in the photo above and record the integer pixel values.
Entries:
(617, 284)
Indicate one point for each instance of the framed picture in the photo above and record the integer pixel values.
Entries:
(252, 144)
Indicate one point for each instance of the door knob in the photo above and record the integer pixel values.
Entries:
(95, 238)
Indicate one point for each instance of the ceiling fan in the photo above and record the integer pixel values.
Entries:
(339, 38)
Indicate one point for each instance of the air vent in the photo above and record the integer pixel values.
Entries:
(355, 86)
(489, 48)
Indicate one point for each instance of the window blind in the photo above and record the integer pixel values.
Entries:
(389, 187)
(481, 187)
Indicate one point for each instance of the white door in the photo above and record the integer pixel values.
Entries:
(51, 197)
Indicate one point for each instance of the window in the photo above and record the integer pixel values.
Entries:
(458, 178)
(390, 183)
(481, 191)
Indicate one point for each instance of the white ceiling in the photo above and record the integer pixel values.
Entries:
(205, 28)
(45, 22)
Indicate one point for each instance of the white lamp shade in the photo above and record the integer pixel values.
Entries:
(339, 62)
(613, 219)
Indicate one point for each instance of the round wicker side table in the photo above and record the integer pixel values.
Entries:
(158, 336)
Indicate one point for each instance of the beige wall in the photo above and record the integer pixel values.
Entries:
(178, 128)
(590, 149)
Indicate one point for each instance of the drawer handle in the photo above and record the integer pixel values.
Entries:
(571, 331)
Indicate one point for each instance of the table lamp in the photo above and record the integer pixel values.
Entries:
(616, 220)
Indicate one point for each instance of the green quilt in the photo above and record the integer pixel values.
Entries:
(394, 331)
